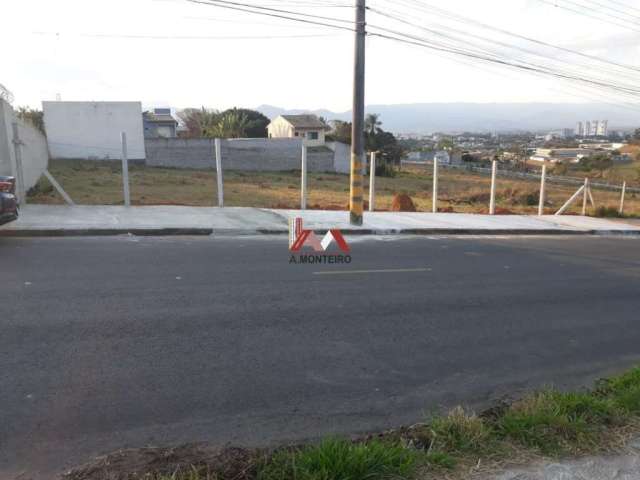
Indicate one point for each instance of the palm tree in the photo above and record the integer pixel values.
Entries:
(372, 122)
(230, 125)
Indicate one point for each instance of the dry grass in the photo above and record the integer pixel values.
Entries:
(92, 183)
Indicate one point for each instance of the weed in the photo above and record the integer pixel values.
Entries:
(460, 432)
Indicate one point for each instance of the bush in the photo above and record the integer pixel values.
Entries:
(604, 211)
(385, 169)
(336, 459)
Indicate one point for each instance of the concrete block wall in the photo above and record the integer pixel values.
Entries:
(250, 154)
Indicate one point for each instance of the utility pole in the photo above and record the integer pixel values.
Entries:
(356, 203)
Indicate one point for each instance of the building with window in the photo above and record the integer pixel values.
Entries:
(306, 127)
(159, 123)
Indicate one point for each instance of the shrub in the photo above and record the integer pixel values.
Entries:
(604, 211)
(336, 459)
(385, 169)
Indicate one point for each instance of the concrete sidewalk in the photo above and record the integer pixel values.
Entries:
(55, 220)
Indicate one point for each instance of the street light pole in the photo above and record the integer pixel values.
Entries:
(356, 203)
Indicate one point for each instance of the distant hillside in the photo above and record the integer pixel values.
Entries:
(488, 117)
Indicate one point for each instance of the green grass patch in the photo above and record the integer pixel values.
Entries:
(623, 390)
(339, 459)
(461, 432)
(439, 460)
(557, 423)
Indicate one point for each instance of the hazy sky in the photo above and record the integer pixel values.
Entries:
(90, 50)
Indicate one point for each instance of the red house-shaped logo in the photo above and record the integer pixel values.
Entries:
(299, 237)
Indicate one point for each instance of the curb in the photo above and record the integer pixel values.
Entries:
(163, 232)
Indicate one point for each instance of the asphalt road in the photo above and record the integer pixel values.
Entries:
(124, 342)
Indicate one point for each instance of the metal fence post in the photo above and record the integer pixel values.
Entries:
(543, 179)
(303, 180)
(372, 182)
(624, 189)
(17, 147)
(125, 170)
(434, 200)
(219, 178)
(492, 201)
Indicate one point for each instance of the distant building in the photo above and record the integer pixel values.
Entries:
(307, 127)
(602, 129)
(159, 123)
(443, 157)
(592, 128)
(553, 155)
(563, 133)
(92, 130)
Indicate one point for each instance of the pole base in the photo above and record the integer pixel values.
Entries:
(355, 219)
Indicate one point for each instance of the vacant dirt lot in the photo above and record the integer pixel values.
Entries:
(93, 182)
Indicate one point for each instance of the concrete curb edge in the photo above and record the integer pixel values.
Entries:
(101, 232)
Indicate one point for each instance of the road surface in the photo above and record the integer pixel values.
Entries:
(126, 341)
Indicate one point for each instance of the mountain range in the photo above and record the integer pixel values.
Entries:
(482, 117)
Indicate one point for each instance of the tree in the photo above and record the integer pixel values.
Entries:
(256, 126)
(372, 123)
(33, 116)
(390, 152)
(598, 161)
(636, 134)
(229, 125)
(198, 121)
(341, 131)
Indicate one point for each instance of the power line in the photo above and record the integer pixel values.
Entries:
(622, 4)
(185, 37)
(531, 68)
(555, 3)
(594, 2)
(277, 10)
(230, 7)
(427, 8)
(465, 43)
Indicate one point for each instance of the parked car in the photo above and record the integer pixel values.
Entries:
(8, 200)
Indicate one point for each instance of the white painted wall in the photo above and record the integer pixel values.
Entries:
(7, 155)
(341, 156)
(91, 130)
(281, 128)
(35, 154)
(33, 148)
